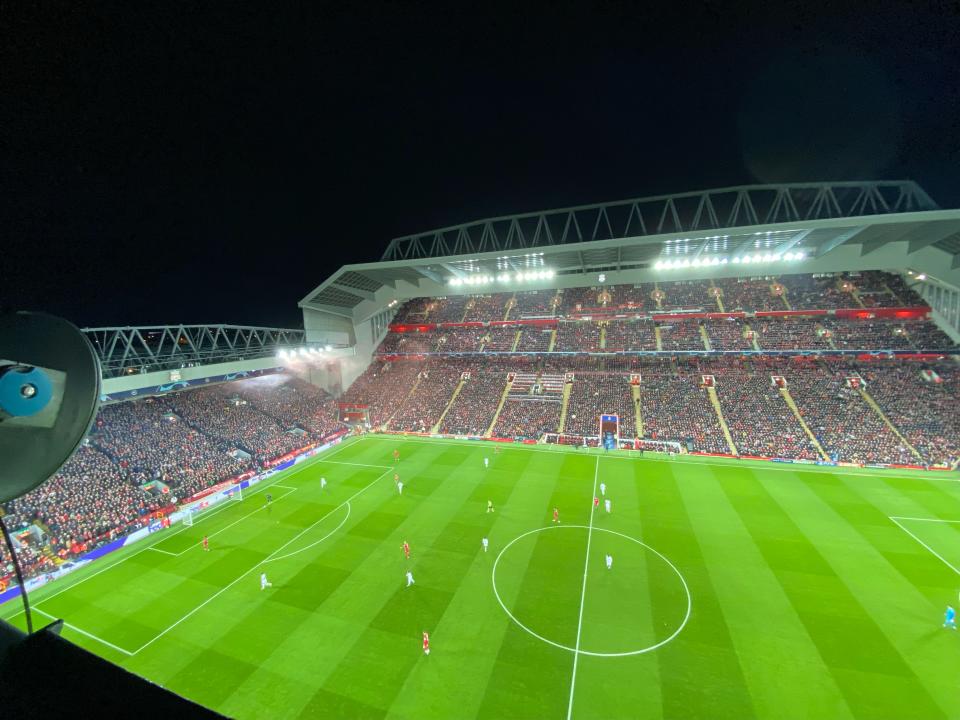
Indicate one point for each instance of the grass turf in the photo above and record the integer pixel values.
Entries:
(805, 598)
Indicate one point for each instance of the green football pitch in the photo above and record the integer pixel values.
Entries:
(737, 590)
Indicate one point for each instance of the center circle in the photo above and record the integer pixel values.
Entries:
(563, 646)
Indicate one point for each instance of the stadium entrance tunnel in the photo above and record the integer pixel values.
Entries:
(636, 607)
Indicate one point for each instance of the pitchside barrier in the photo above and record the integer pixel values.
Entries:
(664, 446)
(155, 526)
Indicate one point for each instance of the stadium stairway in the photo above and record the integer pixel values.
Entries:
(715, 401)
(603, 336)
(553, 340)
(747, 328)
(567, 389)
(496, 415)
(791, 403)
(718, 297)
(453, 397)
(705, 337)
(635, 392)
(511, 304)
(109, 453)
(516, 341)
(868, 398)
(282, 423)
(48, 553)
(786, 300)
(829, 337)
(413, 390)
(656, 334)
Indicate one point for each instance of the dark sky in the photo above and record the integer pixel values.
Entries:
(166, 162)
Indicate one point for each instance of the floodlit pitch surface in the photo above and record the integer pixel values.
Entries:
(737, 590)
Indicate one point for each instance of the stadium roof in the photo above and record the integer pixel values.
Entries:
(831, 225)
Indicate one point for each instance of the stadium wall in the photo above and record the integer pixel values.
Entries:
(363, 336)
(163, 523)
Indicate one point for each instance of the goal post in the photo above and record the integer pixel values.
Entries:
(192, 511)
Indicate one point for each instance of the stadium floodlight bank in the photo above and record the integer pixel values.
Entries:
(192, 511)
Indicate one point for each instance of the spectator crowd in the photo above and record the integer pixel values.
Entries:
(141, 454)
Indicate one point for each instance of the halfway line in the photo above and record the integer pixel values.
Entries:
(583, 590)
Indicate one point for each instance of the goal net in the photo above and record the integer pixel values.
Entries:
(193, 511)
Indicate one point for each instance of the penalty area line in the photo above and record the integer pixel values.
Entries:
(86, 634)
(930, 549)
(267, 559)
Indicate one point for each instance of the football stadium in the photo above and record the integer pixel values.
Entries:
(683, 456)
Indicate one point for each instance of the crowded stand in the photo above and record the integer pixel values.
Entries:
(789, 333)
(578, 300)
(924, 409)
(460, 339)
(535, 339)
(499, 339)
(841, 419)
(483, 308)
(758, 417)
(814, 292)
(383, 386)
(422, 408)
(681, 335)
(448, 309)
(217, 413)
(686, 295)
(867, 334)
(535, 304)
(630, 335)
(88, 502)
(772, 333)
(675, 407)
(473, 410)
(580, 336)
(594, 394)
(416, 310)
(528, 417)
(741, 294)
(292, 402)
(824, 291)
(142, 454)
(413, 343)
(148, 440)
(875, 289)
(727, 334)
(926, 335)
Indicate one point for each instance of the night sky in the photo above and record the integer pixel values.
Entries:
(165, 162)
